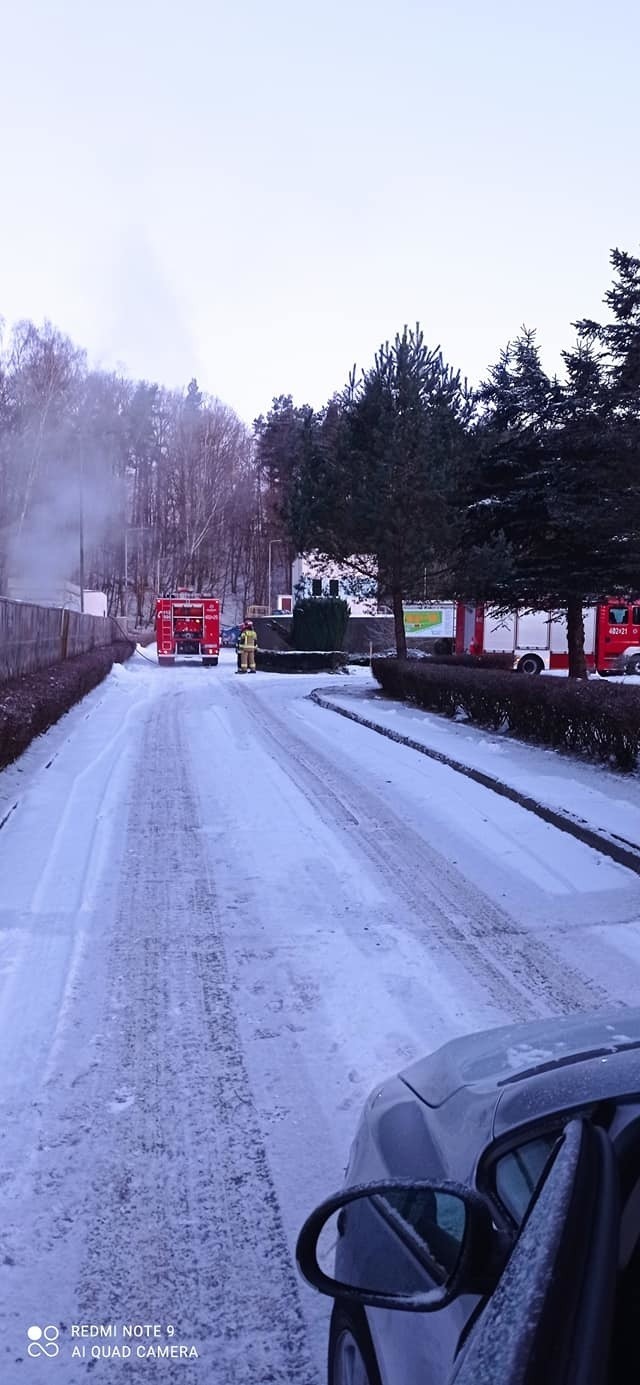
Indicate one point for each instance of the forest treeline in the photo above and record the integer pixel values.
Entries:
(161, 486)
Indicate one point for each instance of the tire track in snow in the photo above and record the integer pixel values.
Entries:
(106, 759)
(181, 1212)
(53, 935)
(518, 969)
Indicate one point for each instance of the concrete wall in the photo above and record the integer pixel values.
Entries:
(32, 637)
(362, 632)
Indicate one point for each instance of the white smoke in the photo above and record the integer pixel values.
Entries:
(43, 551)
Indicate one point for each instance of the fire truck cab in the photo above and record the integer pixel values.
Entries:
(187, 628)
(618, 636)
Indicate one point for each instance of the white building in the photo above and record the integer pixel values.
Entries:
(312, 575)
(64, 594)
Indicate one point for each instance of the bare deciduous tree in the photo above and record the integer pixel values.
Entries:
(162, 484)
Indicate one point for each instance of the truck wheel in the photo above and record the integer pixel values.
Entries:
(633, 665)
(209, 663)
(167, 660)
(530, 663)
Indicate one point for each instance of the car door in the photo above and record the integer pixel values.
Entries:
(550, 1317)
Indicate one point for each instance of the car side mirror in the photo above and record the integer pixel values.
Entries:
(402, 1244)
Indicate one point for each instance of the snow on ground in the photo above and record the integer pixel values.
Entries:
(608, 801)
(630, 680)
(226, 913)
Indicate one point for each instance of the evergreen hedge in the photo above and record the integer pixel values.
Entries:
(497, 660)
(299, 660)
(588, 718)
(33, 702)
(320, 622)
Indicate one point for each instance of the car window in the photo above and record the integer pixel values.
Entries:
(636, 615)
(435, 1223)
(518, 1173)
(618, 615)
(550, 1316)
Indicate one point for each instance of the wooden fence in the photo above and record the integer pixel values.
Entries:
(33, 637)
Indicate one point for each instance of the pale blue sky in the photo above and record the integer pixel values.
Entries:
(259, 193)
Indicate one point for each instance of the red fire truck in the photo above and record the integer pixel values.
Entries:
(188, 627)
(537, 640)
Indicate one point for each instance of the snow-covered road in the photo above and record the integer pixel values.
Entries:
(224, 914)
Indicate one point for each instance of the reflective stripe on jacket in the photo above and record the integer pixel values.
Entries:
(248, 639)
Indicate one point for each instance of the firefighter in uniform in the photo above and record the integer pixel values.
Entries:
(248, 642)
(240, 633)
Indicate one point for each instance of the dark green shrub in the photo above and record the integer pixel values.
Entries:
(320, 622)
(497, 660)
(299, 661)
(590, 718)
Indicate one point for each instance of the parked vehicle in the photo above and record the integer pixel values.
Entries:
(489, 1228)
(537, 640)
(188, 627)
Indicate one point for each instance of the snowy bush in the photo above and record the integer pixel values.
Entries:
(582, 717)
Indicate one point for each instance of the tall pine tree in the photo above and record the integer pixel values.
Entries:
(377, 478)
(553, 503)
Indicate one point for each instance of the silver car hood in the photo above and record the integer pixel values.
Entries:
(495, 1058)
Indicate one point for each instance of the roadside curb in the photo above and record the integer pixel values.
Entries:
(624, 855)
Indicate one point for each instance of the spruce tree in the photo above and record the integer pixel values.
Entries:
(554, 500)
(376, 475)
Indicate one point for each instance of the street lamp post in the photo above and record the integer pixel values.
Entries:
(271, 543)
(81, 555)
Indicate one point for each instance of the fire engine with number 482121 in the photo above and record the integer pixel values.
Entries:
(535, 641)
